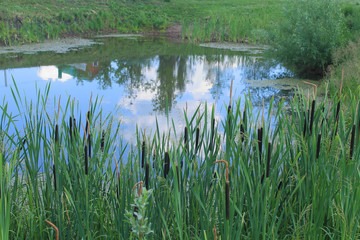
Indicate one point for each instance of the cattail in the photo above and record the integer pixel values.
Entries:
(143, 154)
(86, 159)
(102, 143)
(87, 121)
(197, 137)
(54, 173)
(318, 146)
(56, 134)
(337, 117)
(74, 126)
(242, 133)
(56, 229)
(89, 140)
(185, 138)
(352, 141)
(71, 127)
(167, 164)
(229, 118)
(244, 116)
(312, 116)
(260, 132)
(147, 176)
(227, 189)
(22, 144)
(154, 158)
(268, 160)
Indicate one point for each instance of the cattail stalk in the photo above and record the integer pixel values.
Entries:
(86, 159)
(318, 146)
(143, 154)
(147, 176)
(312, 116)
(197, 137)
(56, 229)
(260, 137)
(54, 173)
(268, 160)
(185, 138)
(89, 140)
(102, 143)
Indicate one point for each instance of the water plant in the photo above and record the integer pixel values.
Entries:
(295, 185)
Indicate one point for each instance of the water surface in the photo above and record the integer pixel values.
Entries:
(146, 77)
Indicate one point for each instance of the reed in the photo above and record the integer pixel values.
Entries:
(309, 184)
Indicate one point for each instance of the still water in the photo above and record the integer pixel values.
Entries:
(145, 77)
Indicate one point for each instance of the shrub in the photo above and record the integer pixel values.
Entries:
(310, 31)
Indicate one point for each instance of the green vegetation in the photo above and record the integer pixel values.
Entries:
(310, 32)
(292, 173)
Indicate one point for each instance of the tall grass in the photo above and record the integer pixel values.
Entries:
(280, 180)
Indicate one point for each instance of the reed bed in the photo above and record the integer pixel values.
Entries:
(290, 174)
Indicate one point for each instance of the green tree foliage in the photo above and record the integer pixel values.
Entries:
(310, 31)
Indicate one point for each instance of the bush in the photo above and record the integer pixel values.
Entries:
(310, 31)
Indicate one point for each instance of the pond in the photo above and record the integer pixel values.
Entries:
(146, 77)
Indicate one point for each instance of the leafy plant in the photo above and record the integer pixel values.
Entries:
(137, 217)
(310, 31)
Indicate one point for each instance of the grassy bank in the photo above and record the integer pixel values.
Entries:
(26, 21)
(292, 174)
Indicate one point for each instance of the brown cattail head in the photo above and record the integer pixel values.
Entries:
(197, 138)
(242, 132)
(102, 143)
(260, 138)
(143, 154)
(318, 146)
(352, 141)
(312, 116)
(87, 122)
(166, 164)
(147, 176)
(268, 160)
(154, 159)
(74, 126)
(185, 138)
(89, 143)
(86, 160)
(56, 134)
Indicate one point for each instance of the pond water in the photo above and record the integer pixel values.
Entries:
(146, 76)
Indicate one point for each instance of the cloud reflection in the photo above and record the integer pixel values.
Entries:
(52, 73)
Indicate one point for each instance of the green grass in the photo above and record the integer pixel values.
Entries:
(26, 21)
(282, 183)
